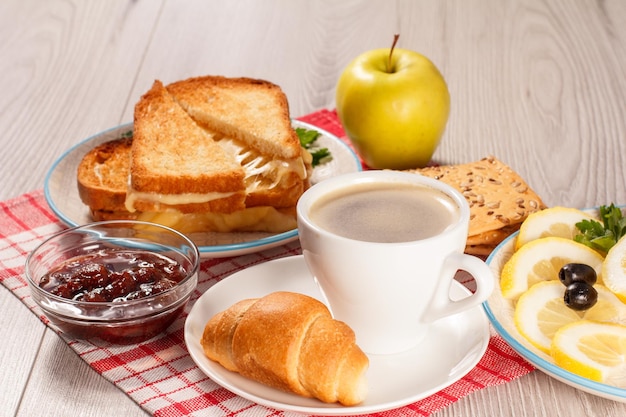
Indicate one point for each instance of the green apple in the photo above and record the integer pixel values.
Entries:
(394, 106)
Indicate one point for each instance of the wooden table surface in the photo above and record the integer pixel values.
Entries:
(539, 84)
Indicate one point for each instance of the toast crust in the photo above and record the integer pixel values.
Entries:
(253, 111)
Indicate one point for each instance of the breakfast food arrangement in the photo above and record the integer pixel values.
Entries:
(213, 154)
(215, 208)
(219, 154)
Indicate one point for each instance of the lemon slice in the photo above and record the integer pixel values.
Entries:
(541, 260)
(593, 350)
(554, 221)
(540, 312)
(615, 269)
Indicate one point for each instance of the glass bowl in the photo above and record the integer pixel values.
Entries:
(119, 281)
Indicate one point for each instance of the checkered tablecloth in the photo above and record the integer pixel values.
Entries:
(159, 375)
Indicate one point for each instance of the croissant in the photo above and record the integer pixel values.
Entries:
(289, 341)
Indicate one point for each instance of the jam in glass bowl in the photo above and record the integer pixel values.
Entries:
(121, 281)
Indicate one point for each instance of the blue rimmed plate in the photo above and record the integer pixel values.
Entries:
(61, 192)
(500, 312)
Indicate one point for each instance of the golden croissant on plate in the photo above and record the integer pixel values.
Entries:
(289, 341)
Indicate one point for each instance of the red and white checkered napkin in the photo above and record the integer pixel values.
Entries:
(159, 374)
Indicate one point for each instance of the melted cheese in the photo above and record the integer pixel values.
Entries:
(252, 219)
(171, 199)
(261, 171)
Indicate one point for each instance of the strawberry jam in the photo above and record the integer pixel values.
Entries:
(113, 275)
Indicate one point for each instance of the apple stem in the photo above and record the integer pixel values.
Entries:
(393, 45)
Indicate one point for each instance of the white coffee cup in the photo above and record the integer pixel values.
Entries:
(388, 292)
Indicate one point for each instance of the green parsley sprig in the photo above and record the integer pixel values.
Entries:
(307, 141)
(602, 236)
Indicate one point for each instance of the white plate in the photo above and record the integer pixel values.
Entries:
(500, 312)
(62, 194)
(453, 347)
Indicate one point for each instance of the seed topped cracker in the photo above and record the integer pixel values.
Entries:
(499, 198)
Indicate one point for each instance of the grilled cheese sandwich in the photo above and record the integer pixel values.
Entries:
(196, 176)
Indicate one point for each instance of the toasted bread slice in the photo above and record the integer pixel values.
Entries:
(176, 164)
(102, 176)
(250, 119)
(255, 112)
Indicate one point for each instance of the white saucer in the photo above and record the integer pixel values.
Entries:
(453, 347)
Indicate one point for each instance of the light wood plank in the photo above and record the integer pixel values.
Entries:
(536, 85)
(67, 69)
(21, 338)
(539, 84)
(300, 45)
(70, 387)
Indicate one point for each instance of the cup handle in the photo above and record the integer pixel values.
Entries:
(441, 305)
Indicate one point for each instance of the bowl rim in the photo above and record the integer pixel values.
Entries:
(191, 275)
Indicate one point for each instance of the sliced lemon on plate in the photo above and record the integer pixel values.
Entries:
(553, 221)
(614, 268)
(596, 351)
(541, 260)
(540, 312)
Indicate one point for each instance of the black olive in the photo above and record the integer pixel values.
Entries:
(580, 296)
(573, 272)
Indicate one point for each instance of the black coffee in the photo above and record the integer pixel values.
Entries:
(384, 212)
